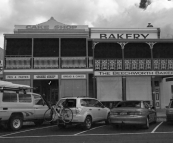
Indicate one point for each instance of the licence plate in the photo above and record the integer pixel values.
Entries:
(123, 113)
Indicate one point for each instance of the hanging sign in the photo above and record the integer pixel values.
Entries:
(75, 76)
(17, 76)
(45, 76)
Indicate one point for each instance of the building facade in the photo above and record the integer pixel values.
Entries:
(107, 63)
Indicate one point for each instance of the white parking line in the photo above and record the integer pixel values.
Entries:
(26, 131)
(156, 127)
(16, 137)
(88, 130)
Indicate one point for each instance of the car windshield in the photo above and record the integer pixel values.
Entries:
(136, 104)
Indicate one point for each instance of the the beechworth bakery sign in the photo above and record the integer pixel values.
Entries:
(131, 73)
(123, 36)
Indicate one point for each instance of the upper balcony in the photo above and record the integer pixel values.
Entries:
(48, 62)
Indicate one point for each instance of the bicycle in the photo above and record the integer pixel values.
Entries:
(58, 114)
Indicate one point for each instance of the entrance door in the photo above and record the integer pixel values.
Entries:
(70, 87)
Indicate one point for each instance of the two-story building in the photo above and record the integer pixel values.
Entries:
(110, 64)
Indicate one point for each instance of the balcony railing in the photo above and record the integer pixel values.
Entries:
(137, 64)
(17, 62)
(81, 62)
(73, 62)
(46, 62)
(108, 64)
(163, 64)
(133, 64)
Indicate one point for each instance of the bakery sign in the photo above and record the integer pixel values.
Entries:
(45, 76)
(111, 33)
(132, 73)
(123, 36)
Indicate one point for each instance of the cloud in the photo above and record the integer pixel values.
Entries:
(95, 13)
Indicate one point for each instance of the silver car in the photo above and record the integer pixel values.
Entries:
(133, 112)
(85, 110)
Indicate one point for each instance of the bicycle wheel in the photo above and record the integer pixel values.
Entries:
(48, 115)
(67, 115)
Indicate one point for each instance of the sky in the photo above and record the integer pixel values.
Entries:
(94, 13)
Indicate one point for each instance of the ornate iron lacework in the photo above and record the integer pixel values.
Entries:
(163, 64)
(170, 64)
(148, 64)
(104, 65)
(156, 64)
(134, 64)
(112, 64)
(141, 64)
(97, 64)
(127, 64)
(119, 65)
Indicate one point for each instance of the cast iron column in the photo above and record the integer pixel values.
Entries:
(151, 44)
(122, 44)
(94, 78)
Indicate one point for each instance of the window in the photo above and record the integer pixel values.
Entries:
(98, 104)
(38, 100)
(83, 102)
(9, 97)
(130, 104)
(25, 98)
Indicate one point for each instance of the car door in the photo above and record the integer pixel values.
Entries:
(25, 105)
(102, 113)
(39, 107)
(93, 109)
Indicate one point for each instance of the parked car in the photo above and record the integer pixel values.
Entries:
(133, 112)
(169, 111)
(17, 107)
(85, 110)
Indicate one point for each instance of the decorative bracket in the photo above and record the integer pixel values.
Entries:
(122, 44)
(94, 44)
(151, 44)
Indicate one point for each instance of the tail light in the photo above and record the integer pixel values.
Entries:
(78, 110)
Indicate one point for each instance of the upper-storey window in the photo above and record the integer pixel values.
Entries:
(163, 50)
(137, 50)
(108, 50)
(73, 47)
(19, 47)
(46, 47)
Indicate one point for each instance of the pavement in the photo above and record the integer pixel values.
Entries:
(161, 114)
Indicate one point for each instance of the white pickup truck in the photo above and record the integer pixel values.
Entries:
(17, 106)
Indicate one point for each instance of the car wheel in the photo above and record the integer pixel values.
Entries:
(87, 123)
(15, 123)
(107, 121)
(38, 123)
(147, 125)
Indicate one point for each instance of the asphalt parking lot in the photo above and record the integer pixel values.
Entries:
(159, 132)
(31, 130)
